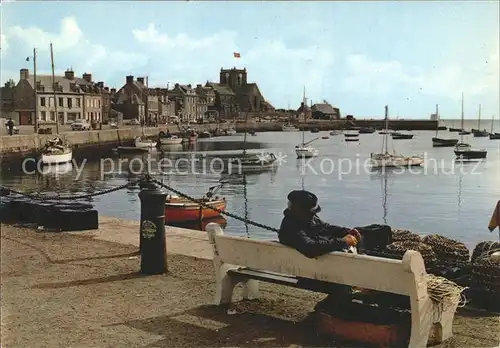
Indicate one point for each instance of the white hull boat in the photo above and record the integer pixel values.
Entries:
(230, 131)
(65, 157)
(387, 160)
(56, 152)
(306, 151)
(252, 163)
(145, 143)
(173, 140)
(392, 160)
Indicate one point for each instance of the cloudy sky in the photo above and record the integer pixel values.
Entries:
(359, 56)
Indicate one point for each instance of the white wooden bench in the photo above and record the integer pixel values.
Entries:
(241, 260)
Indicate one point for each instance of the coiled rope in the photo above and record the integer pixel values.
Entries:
(445, 292)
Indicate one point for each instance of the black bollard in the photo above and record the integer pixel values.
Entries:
(152, 242)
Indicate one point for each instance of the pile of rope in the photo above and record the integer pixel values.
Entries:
(445, 292)
(485, 249)
(399, 235)
(400, 248)
(448, 251)
(486, 273)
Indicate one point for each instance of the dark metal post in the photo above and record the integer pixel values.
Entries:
(152, 243)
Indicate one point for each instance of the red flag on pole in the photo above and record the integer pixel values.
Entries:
(236, 55)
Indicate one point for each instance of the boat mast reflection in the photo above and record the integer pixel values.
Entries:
(383, 183)
(245, 198)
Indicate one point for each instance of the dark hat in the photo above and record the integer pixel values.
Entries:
(304, 200)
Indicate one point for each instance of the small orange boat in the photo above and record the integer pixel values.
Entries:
(179, 209)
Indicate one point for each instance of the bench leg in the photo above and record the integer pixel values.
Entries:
(443, 326)
(251, 289)
(421, 321)
(225, 284)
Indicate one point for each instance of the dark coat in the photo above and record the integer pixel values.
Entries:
(311, 239)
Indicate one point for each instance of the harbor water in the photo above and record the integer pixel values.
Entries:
(446, 197)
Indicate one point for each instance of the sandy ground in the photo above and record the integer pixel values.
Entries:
(72, 290)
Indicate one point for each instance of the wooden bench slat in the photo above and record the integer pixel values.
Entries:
(351, 269)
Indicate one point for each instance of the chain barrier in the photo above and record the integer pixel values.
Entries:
(204, 205)
(147, 178)
(62, 198)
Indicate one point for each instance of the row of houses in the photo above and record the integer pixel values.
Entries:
(69, 98)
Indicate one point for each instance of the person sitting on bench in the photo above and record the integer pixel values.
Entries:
(304, 231)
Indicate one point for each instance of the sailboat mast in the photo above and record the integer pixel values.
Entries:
(437, 118)
(304, 108)
(245, 136)
(462, 121)
(385, 143)
(36, 94)
(479, 119)
(492, 121)
(54, 87)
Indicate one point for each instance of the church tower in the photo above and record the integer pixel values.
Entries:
(235, 78)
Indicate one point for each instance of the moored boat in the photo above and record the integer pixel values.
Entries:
(442, 142)
(306, 151)
(56, 152)
(397, 135)
(252, 163)
(230, 131)
(178, 210)
(366, 130)
(465, 151)
(385, 159)
(144, 143)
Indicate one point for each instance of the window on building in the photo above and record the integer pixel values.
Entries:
(78, 103)
(61, 102)
(70, 103)
(52, 116)
(98, 103)
(61, 117)
(51, 101)
(43, 115)
(42, 101)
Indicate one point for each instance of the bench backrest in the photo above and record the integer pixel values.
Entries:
(404, 277)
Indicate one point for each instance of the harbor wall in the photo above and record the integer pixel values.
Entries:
(24, 145)
(342, 124)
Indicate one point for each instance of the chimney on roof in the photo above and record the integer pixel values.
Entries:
(198, 86)
(140, 80)
(69, 74)
(87, 77)
(113, 90)
(106, 89)
(100, 84)
(24, 74)
(130, 79)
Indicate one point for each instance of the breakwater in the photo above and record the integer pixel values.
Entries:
(341, 124)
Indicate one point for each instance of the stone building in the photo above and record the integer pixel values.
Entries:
(75, 98)
(226, 104)
(234, 94)
(206, 103)
(325, 111)
(7, 102)
(106, 101)
(131, 100)
(185, 102)
(303, 110)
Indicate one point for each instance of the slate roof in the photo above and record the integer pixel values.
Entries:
(79, 83)
(324, 108)
(221, 89)
(123, 98)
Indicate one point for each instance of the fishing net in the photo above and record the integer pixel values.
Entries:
(485, 249)
(448, 251)
(400, 248)
(399, 235)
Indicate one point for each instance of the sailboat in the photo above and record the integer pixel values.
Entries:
(252, 162)
(442, 142)
(55, 151)
(388, 160)
(463, 150)
(303, 150)
(477, 132)
(494, 136)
